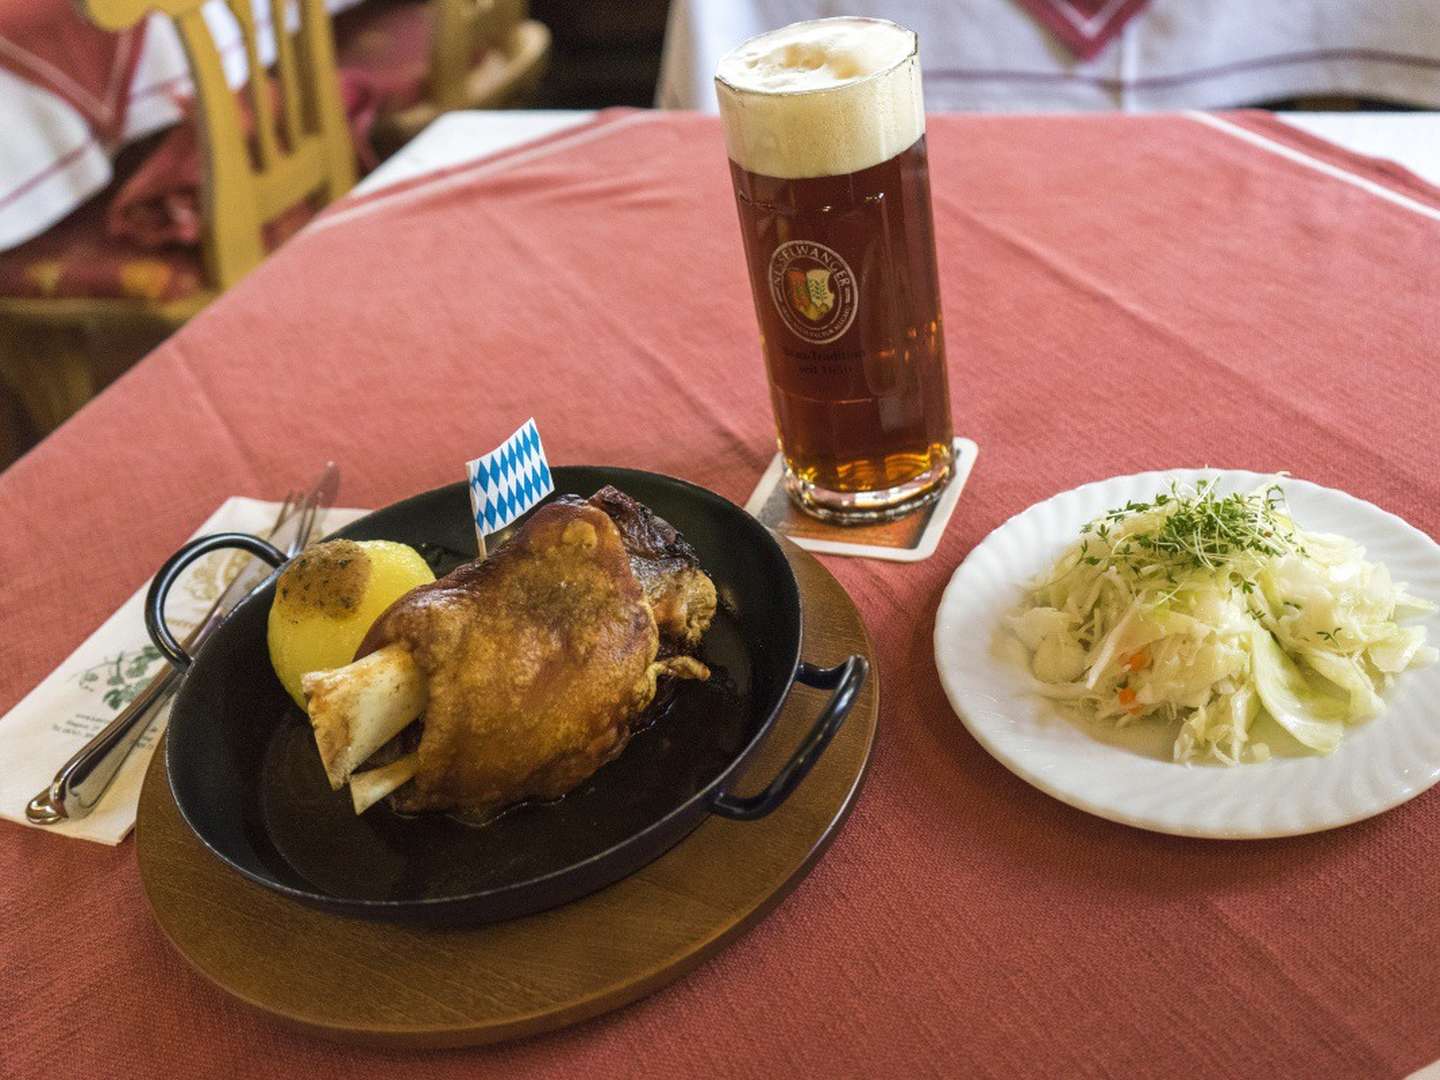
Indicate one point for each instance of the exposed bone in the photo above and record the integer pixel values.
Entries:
(680, 667)
(369, 787)
(358, 708)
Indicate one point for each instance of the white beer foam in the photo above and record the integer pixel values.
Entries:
(821, 98)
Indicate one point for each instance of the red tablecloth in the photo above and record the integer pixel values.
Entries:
(1121, 293)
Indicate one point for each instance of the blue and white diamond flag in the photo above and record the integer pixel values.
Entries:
(508, 481)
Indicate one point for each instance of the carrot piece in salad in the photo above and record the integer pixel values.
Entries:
(1138, 660)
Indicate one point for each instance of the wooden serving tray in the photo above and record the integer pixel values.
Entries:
(379, 984)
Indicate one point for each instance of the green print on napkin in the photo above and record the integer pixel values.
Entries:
(123, 676)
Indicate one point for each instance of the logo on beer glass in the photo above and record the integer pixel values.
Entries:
(813, 290)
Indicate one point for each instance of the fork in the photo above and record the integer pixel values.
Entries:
(84, 779)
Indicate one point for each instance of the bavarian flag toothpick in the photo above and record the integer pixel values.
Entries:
(508, 481)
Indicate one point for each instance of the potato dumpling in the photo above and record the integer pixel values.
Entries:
(326, 600)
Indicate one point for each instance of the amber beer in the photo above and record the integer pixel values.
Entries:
(826, 135)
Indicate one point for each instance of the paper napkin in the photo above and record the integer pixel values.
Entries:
(101, 677)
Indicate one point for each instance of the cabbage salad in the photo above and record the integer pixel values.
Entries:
(1208, 610)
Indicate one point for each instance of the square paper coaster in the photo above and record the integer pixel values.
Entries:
(908, 539)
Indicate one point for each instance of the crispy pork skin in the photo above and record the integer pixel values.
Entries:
(681, 595)
(537, 660)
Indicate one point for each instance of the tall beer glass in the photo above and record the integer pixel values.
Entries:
(825, 129)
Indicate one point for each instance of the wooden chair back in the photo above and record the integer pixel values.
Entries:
(251, 181)
(461, 26)
(515, 52)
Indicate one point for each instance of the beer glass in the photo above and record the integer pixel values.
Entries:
(825, 130)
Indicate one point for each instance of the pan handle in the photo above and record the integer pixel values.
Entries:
(846, 680)
(168, 574)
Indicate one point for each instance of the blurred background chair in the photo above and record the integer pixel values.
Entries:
(86, 295)
(427, 57)
(269, 157)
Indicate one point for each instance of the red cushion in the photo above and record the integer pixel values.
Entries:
(389, 42)
(77, 259)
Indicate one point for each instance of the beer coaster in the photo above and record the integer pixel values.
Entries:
(908, 539)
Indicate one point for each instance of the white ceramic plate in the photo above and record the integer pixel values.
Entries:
(1127, 776)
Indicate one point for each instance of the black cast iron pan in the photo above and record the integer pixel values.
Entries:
(247, 778)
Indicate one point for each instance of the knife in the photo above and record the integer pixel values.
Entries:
(84, 779)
